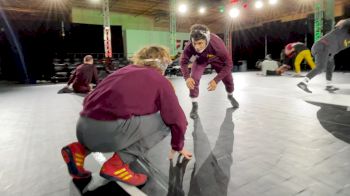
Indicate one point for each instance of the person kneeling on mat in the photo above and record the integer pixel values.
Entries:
(271, 67)
(128, 113)
(83, 75)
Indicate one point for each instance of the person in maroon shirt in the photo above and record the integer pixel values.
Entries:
(83, 75)
(129, 112)
(208, 48)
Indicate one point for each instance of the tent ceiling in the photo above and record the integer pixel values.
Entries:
(159, 10)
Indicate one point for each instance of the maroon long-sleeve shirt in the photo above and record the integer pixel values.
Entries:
(82, 76)
(136, 91)
(215, 54)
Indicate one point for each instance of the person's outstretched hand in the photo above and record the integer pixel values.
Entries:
(183, 152)
(212, 85)
(190, 83)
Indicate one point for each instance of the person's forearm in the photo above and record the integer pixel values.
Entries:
(223, 73)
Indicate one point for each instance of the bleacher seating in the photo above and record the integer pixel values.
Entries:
(63, 67)
(61, 72)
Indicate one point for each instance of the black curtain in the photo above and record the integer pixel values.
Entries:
(41, 40)
(86, 38)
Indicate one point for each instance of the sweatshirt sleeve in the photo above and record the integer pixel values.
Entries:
(72, 77)
(95, 72)
(223, 54)
(172, 115)
(185, 59)
(345, 23)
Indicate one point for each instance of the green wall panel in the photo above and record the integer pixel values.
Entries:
(138, 31)
(90, 16)
(136, 39)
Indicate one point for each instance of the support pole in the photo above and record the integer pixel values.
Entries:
(318, 22)
(107, 30)
(328, 16)
(228, 36)
(265, 45)
(172, 27)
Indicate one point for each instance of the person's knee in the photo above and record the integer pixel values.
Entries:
(230, 89)
(196, 79)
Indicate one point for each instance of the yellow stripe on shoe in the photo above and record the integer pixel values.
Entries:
(79, 160)
(123, 174)
(119, 171)
(79, 155)
(127, 177)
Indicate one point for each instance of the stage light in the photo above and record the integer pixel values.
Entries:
(234, 12)
(258, 4)
(201, 10)
(273, 2)
(222, 9)
(182, 8)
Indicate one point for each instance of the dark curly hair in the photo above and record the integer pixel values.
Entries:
(198, 32)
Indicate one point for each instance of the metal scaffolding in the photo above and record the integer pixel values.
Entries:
(172, 27)
(228, 36)
(318, 23)
(324, 18)
(107, 29)
(328, 23)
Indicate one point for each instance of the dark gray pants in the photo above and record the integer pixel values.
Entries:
(324, 60)
(130, 138)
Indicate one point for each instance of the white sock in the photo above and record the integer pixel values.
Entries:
(229, 93)
(329, 83)
(194, 99)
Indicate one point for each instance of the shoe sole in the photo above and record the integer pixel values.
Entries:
(72, 168)
(305, 89)
(332, 89)
(112, 178)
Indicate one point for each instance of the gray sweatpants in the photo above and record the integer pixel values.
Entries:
(131, 138)
(324, 60)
